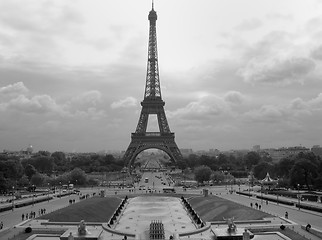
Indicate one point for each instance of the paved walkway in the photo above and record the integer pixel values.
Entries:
(301, 217)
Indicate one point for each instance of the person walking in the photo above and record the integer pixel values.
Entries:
(246, 235)
(286, 215)
(22, 217)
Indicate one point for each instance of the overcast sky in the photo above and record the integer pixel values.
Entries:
(233, 73)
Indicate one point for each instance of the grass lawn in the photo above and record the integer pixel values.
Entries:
(213, 208)
(94, 209)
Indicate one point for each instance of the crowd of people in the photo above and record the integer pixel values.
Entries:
(32, 214)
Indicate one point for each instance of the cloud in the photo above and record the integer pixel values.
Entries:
(277, 71)
(279, 16)
(316, 103)
(234, 97)
(267, 113)
(317, 53)
(39, 104)
(85, 105)
(124, 103)
(249, 24)
(204, 108)
(289, 112)
(13, 89)
(39, 17)
(88, 98)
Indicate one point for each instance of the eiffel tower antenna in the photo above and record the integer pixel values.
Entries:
(152, 104)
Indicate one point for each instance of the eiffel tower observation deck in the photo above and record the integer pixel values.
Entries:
(152, 104)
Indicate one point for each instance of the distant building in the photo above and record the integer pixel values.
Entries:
(256, 148)
(317, 150)
(186, 151)
(278, 154)
(214, 152)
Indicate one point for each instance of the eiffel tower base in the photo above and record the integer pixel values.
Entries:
(141, 142)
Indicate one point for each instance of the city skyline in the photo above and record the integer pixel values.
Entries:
(233, 74)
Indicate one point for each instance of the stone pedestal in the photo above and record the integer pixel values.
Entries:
(93, 234)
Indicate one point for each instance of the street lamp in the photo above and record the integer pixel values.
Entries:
(33, 195)
(59, 189)
(298, 196)
(13, 197)
(48, 192)
(69, 192)
(249, 188)
(261, 193)
(277, 198)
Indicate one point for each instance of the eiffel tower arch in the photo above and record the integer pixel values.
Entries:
(152, 104)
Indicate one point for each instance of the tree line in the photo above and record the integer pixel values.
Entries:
(303, 170)
(53, 169)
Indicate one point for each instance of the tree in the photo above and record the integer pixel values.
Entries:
(59, 158)
(284, 166)
(202, 173)
(23, 181)
(37, 179)
(11, 169)
(30, 170)
(218, 176)
(181, 164)
(251, 159)
(78, 176)
(44, 164)
(261, 169)
(303, 172)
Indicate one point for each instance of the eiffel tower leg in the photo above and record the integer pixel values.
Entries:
(130, 154)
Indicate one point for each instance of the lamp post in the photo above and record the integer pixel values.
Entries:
(59, 189)
(298, 196)
(13, 197)
(277, 198)
(249, 188)
(69, 192)
(48, 192)
(261, 193)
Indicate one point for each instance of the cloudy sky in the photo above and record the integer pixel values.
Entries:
(233, 73)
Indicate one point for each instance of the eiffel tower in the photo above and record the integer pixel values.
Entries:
(152, 104)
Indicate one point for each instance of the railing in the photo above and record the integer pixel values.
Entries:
(153, 134)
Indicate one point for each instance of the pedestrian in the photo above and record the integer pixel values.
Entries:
(22, 217)
(259, 206)
(26, 215)
(251, 204)
(286, 215)
(1, 225)
(246, 235)
(266, 202)
(70, 237)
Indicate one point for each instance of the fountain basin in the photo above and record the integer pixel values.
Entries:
(225, 234)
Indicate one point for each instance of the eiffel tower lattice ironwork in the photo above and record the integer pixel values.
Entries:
(152, 104)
